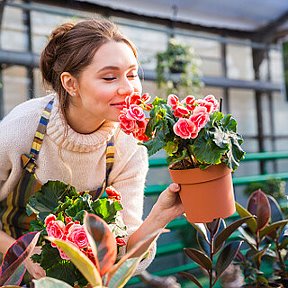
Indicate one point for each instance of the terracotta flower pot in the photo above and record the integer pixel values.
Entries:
(206, 194)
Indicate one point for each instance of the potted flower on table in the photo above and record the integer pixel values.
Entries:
(202, 144)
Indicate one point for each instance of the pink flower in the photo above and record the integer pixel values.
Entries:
(55, 229)
(50, 218)
(76, 234)
(181, 111)
(206, 104)
(173, 101)
(134, 99)
(190, 102)
(135, 113)
(200, 117)
(185, 128)
(211, 99)
(127, 125)
(145, 97)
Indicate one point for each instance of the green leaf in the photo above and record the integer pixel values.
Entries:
(199, 257)
(171, 148)
(200, 227)
(106, 209)
(273, 227)
(48, 197)
(48, 282)
(276, 212)
(124, 273)
(258, 205)
(80, 260)
(100, 237)
(66, 271)
(206, 151)
(243, 213)
(224, 234)
(191, 278)
(226, 256)
(248, 238)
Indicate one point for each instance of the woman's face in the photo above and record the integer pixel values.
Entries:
(104, 84)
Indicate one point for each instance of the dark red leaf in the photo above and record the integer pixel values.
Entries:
(104, 240)
(258, 204)
(16, 254)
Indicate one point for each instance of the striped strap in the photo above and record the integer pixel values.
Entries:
(110, 150)
(29, 160)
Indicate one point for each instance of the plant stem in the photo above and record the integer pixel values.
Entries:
(190, 155)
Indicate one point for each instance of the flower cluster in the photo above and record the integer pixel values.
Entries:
(192, 114)
(193, 132)
(70, 231)
(132, 117)
(60, 211)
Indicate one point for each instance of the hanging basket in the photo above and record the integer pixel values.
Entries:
(205, 194)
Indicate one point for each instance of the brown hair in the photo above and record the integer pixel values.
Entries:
(72, 47)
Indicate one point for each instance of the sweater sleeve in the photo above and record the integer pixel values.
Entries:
(128, 178)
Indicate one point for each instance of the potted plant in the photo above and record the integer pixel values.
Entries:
(181, 60)
(265, 237)
(214, 254)
(202, 145)
(99, 268)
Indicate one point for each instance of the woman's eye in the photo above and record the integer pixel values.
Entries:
(133, 76)
(109, 78)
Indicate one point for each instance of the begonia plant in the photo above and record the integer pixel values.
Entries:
(193, 132)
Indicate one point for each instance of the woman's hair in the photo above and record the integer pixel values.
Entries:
(72, 47)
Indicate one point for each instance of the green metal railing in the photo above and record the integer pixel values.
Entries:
(181, 223)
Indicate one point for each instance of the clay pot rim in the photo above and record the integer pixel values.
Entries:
(196, 175)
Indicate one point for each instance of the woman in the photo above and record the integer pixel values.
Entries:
(91, 67)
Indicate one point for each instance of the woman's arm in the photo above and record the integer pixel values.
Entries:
(167, 208)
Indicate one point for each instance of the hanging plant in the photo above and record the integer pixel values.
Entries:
(181, 60)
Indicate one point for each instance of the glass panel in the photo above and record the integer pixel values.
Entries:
(15, 87)
(239, 62)
(13, 35)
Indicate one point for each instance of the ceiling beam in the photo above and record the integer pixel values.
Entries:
(269, 33)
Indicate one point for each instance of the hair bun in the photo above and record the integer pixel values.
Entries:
(49, 54)
(61, 30)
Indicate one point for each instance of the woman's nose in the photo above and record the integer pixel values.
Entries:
(126, 88)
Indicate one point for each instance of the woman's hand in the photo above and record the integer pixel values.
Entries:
(169, 203)
(34, 269)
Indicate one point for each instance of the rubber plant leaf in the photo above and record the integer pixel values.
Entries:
(80, 260)
(15, 256)
(124, 273)
(48, 282)
(259, 206)
(226, 257)
(191, 278)
(147, 241)
(199, 257)
(224, 234)
(252, 224)
(101, 238)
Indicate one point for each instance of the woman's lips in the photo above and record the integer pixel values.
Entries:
(119, 105)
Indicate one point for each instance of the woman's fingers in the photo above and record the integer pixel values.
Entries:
(174, 187)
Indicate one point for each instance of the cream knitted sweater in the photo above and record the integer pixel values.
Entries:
(80, 161)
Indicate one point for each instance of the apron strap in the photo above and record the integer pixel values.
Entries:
(29, 160)
(110, 151)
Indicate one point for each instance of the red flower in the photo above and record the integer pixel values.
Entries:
(113, 193)
(120, 241)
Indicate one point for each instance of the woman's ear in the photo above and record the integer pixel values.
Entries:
(69, 83)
